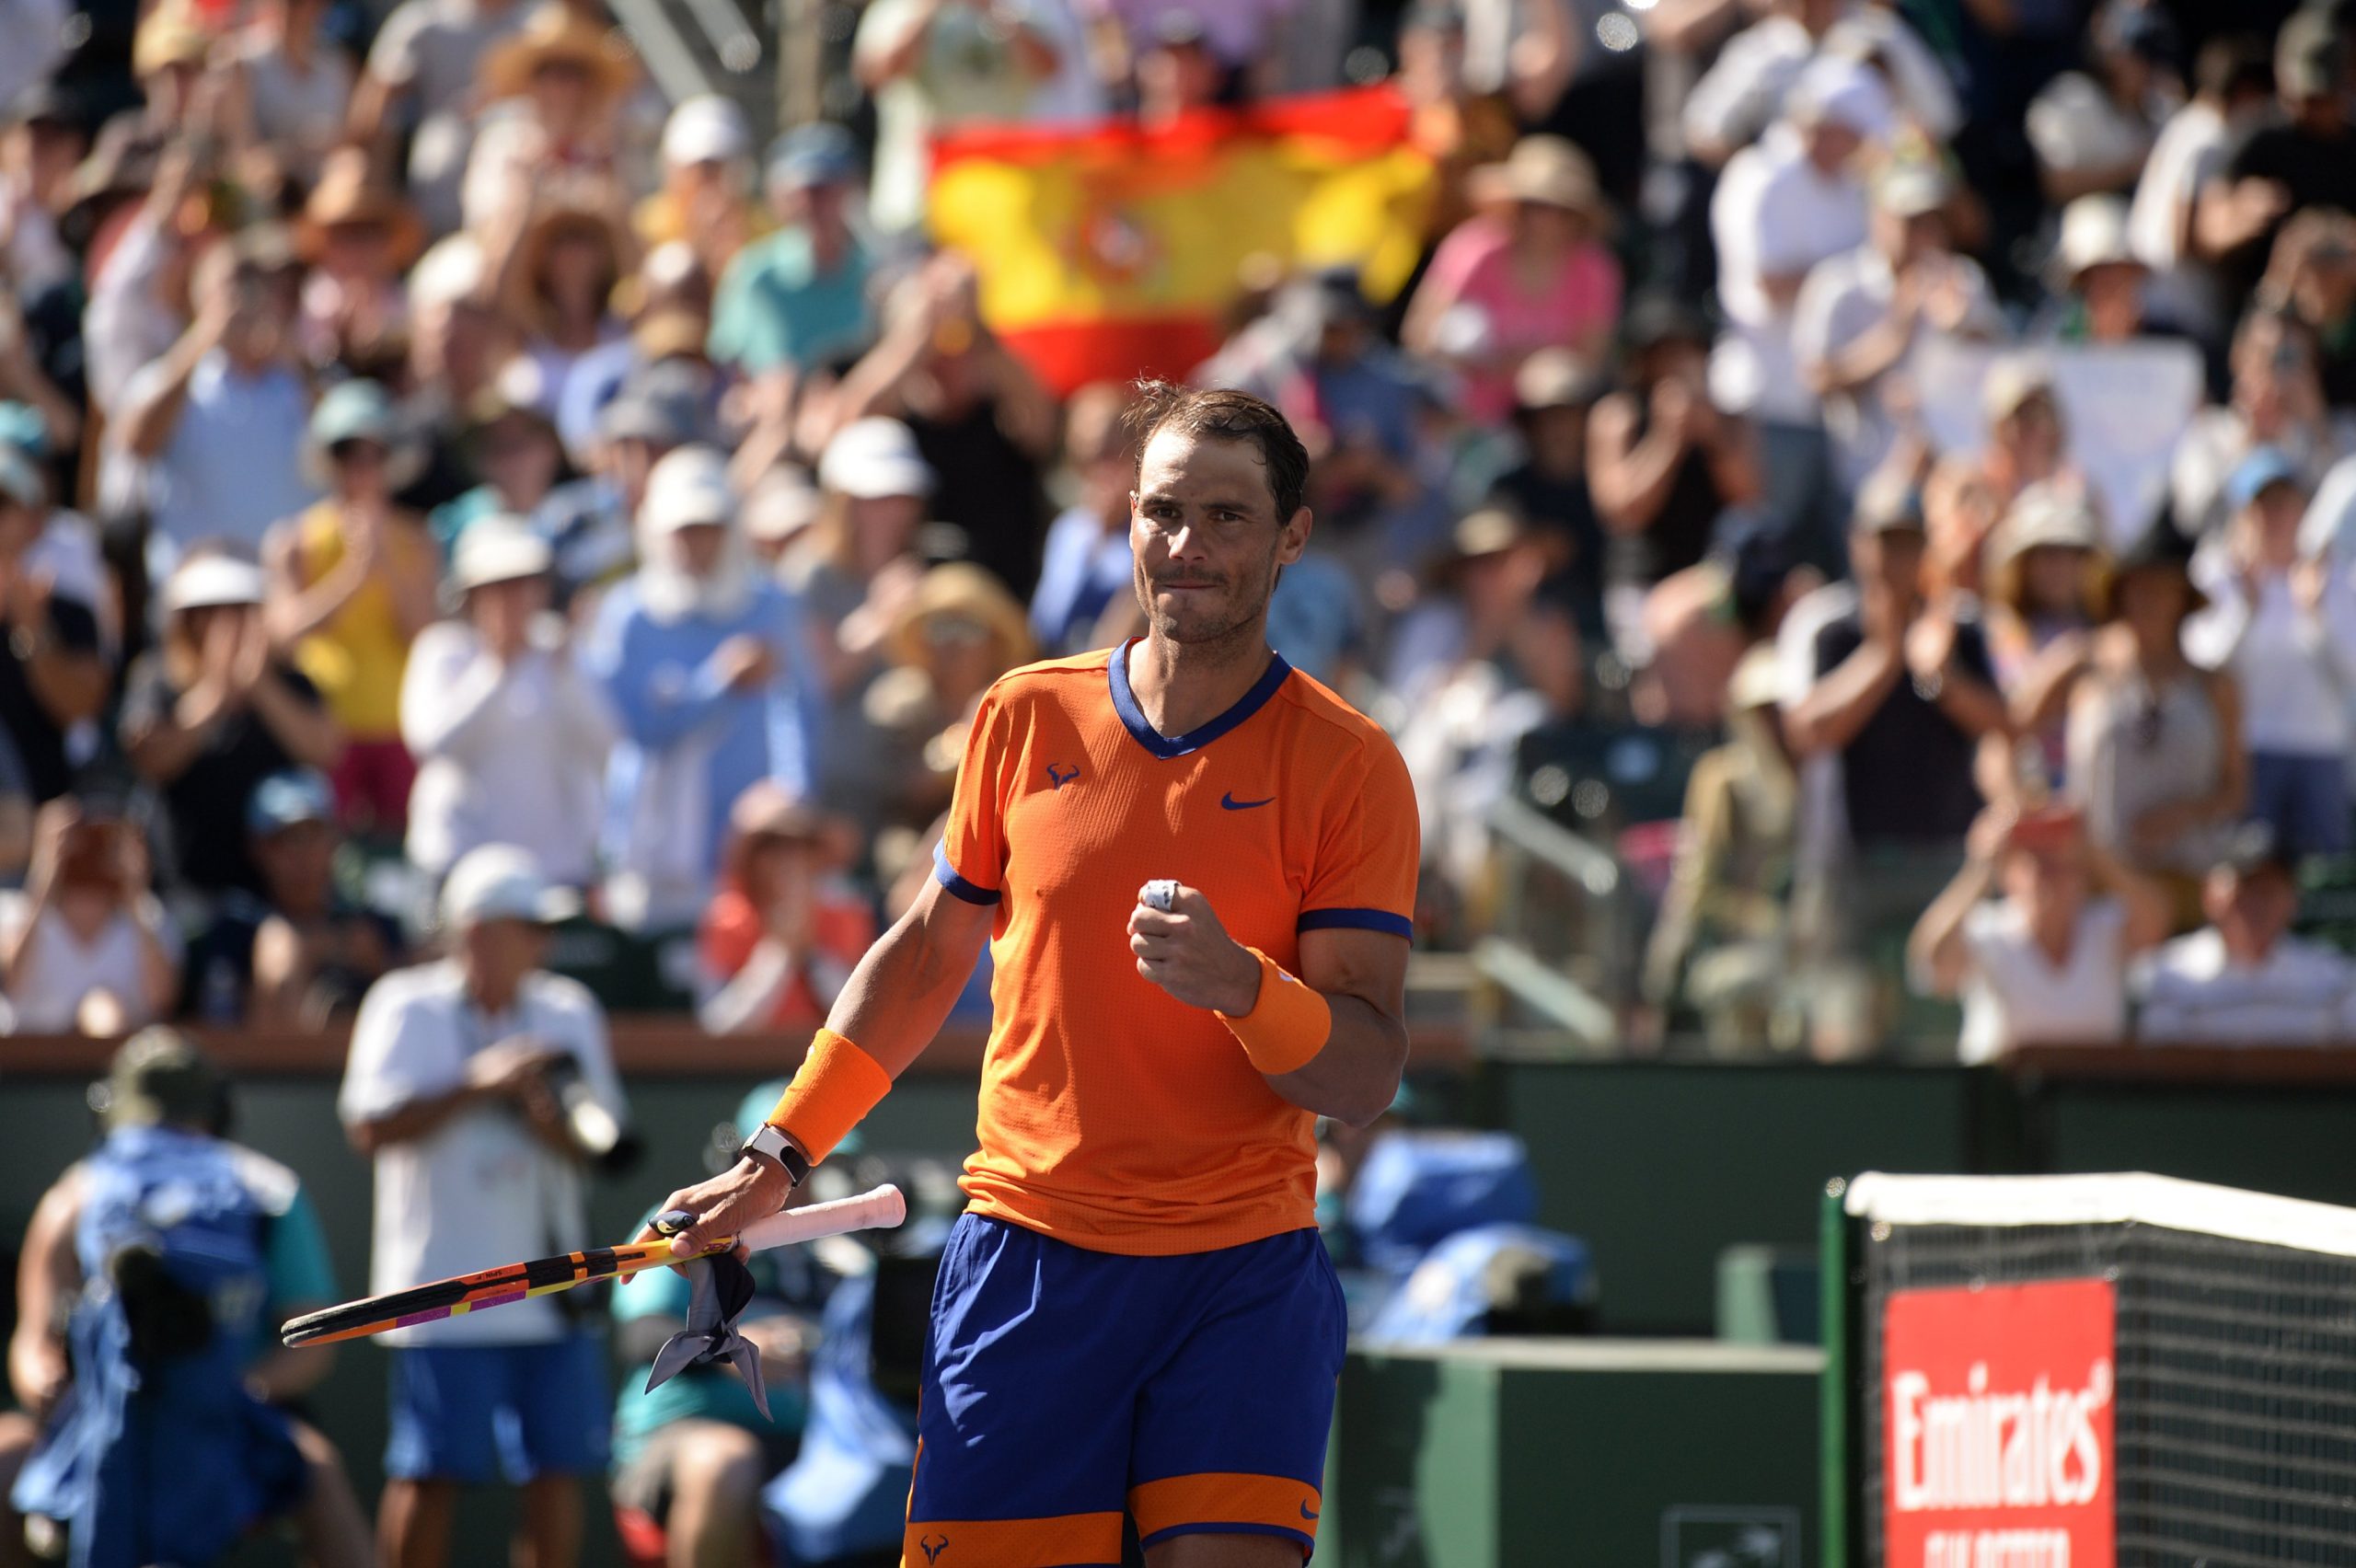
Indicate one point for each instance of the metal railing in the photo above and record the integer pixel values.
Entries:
(1563, 941)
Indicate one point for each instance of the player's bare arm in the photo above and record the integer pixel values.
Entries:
(1362, 974)
(894, 1002)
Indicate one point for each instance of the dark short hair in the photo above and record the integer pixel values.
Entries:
(1223, 414)
(2235, 62)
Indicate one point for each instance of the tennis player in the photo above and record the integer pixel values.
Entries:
(1135, 1314)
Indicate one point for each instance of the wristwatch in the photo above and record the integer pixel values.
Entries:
(773, 1143)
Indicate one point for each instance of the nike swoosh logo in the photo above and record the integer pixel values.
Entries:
(1306, 1511)
(1232, 803)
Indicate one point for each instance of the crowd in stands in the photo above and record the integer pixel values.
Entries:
(1882, 474)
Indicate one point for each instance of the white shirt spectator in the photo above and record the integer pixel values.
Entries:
(2013, 995)
(60, 972)
(1743, 91)
(2296, 670)
(2189, 994)
(2191, 147)
(127, 326)
(1847, 297)
(479, 1190)
(507, 753)
(1774, 215)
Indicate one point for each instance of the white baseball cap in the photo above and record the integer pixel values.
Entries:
(1842, 92)
(685, 487)
(210, 582)
(782, 504)
(706, 129)
(874, 457)
(499, 548)
(501, 881)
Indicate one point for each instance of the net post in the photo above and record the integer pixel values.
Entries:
(1833, 1420)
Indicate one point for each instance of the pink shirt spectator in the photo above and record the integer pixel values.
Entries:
(1473, 267)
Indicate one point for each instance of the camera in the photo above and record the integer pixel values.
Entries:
(609, 1145)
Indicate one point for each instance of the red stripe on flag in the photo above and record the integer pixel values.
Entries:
(1360, 120)
(1069, 356)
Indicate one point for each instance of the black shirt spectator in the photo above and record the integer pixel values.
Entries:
(1906, 774)
(72, 628)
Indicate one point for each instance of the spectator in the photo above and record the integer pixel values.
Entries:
(557, 263)
(53, 676)
(351, 585)
(976, 412)
(211, 713)
(2101, 288)
(2244, 979)
(512, 445)
(1903, 693)
(2232, 91)
(163, 1209)
(1530, 271)
(1479, 663)
(1721, 945)
(461, 1074)
(2155, 750)
(296, 954)
(511, 733)
(1663, 463)
(783, 933)
(1553, 397)
(219, 420)
(781, 507)
(2027, 442)
(2045, 576)
(2284, 626)
(855, 569)
(292, 90)
(2307, 158)
(2092, 130)
(704, 661)
(592, 522)
(1240, 36)
(2313, 277)
(933, 65)
(1859, 316)
(2046, 964)
(670, 323)
(1176, 71)
(421, 79)
(791, 301)
(42, 140)
(359, 237)
(1085, 568)
(86, 948)
(957, 634)
(1781, 207)
(703, 201)
(2276, 401)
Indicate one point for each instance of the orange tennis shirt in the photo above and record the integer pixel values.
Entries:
(1113, 1115)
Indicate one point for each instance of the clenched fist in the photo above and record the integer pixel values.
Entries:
(1189, 954)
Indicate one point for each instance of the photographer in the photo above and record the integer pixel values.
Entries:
(480, 1085)
(86, 948)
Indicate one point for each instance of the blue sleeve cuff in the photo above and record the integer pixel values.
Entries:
(946, 875)
(1356, 920)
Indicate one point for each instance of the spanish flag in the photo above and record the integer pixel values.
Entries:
(1110, 251)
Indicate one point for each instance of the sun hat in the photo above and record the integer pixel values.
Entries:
(556, 33)
(960, 590)
(501, 881)
(359, 410)
(874, 458)
(501, 547)
(688, 489)
(210, 582)
(705, 128)
(1544, 171)
(348, 192)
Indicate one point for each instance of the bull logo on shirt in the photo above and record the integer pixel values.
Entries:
(1060, 774)
(933, 1546)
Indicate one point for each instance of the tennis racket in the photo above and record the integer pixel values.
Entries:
(878, 1210)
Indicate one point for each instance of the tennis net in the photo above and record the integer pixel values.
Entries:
(2179, 1357)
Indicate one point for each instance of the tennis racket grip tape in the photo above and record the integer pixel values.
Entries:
(879, 1210)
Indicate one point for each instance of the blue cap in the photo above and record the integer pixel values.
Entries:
(287, 799)
(22, 427)
(820, 153)
(2259, 472)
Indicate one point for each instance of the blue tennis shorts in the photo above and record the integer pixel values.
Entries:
(474, 1413)
(1064, 1388)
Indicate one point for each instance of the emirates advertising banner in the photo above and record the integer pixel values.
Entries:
(1997, 1426)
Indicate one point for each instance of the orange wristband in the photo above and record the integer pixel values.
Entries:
(1288, 1025)
(836, 1087)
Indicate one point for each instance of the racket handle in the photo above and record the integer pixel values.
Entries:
(878, 1210)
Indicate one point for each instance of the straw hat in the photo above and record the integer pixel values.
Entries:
(347, 193)
(960, 590)
(2093, 234)
(170, 36)
(1546, 172)
(2047, 516)
(554, 33)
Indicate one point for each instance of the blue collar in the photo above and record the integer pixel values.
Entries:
(1125, 703)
